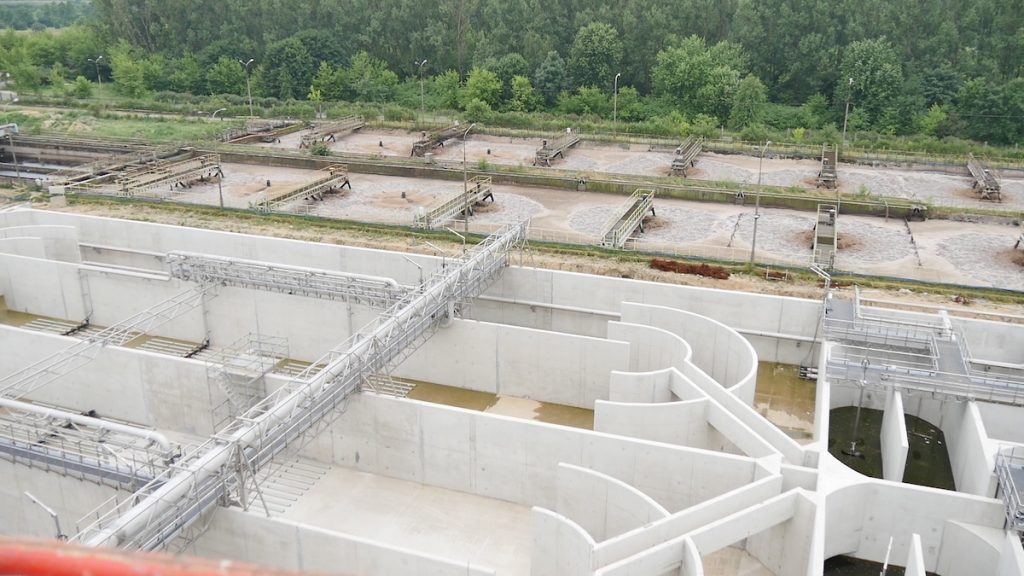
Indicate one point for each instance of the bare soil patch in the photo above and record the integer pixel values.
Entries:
(704, 270)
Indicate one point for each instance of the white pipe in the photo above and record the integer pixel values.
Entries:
(148, 435)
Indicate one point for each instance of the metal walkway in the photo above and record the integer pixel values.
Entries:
(330, 179)
(478, 189)
(985, 181)
(1010, 473)
(627, 219)
(825, 239)
(556, 148)
(221, 470)
(166, 175)
(434, 140)
(327, 132)
(827, 176)
(686, 155)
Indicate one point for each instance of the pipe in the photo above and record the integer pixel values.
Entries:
(143, 433)
(48, 558)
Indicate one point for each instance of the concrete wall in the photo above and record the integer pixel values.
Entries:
(72, 499)
(58, 242)
(560, 546)
(277, 543)
(861, 517)
(994, 341)
(603, 506)
(43, 287)
(971, 456)
(895, 444)
(1002, 422)
(521, 362)
(970, 551)
(512, 459)
(123, 383)
(915, 560)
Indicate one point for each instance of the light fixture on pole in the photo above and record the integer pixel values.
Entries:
(248, 89)
(615, 103)
(465, 181)
(420, 72)
(757, 203)
(99, 79)
(846, 116)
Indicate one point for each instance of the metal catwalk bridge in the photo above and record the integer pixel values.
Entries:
(223, 469)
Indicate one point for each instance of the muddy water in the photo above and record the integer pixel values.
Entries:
(12, 318)
(504, 405)
(785, 399)
(927, 459)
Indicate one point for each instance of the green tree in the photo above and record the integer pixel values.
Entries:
(445, 88)
(330, 82)
(287, 69)
(226, 77)
(595, 55)
(477, 110)
(877, 78)
(128, 71)
(586, 100)
(700, 80)
(82, 88)
(748, 103)
(506, 68)
(482, 85)
(524, 97)
(551, 78)
(370, 79)
(187, 76)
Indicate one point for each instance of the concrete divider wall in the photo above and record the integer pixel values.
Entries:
(1002, 422)
(1011, 557)
(862, 516)
(528, 314)
(650, 348)
(796, 536)
(915, 560)
(59, 242)
(117, 296)
(971, 455)
(514, 460)
(560, 546)
(684, 423)
(521, 362)
(71, 499)
(995, 341)
(134, 385)
(43, 287)
(972, 551)
(603, 506)
(284, 545)
(717, 349)
(666, 385)
(25, 247)
(895, 444)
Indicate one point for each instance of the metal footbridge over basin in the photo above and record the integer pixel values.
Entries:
(686, 155)
(555, 148)
(327, 132)
(332, 178)
(627, 219)
(222, 470)
(478, 189)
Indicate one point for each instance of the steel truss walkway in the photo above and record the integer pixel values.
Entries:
(827, 176)
(332, 178)
(161, 175)
(434, 140)
(916, 357)
(825, 239)
(548, 151)
(478, 189)
(374, 291)
(327, 132)
(1010, 473)
(985, 182)
(220, 470)
(686, 155)
(624, 221)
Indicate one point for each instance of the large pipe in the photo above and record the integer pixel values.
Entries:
(83, 420)
(426, 305)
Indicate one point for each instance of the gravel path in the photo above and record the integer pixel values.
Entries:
(988, 258)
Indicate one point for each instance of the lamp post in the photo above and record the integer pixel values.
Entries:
(248, 89)
(846, 116)
(615, 104)
(465, 181)
(420, 72)
(99, 80)
(757, 203)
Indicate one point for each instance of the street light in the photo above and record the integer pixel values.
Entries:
(615, 104)
(465, 181)
(846, 116)
(248, 90)
(99, 80)
(420, 64)
(757, 203)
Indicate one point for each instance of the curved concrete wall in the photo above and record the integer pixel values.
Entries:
(603, 506)
(59, 242)
(560, 546)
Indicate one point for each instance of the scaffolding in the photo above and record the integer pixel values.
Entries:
(330, 179)
(440, 213)
(223, 469)
(627, 219)
(985, 181)
(548, 151)
(25, 381)
(434, 140)
(373, 291)
(686, 155)
(825, 238)
(327, 132)
(235, 375)
(167, 175)
(827, 176)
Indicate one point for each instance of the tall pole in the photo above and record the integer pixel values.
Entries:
(99, 79)
(248, 89)
(420, 64)
(846, 116)
(615, 104)
(757, 204)
(465, 181)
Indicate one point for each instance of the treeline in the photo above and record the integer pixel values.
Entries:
(940, 68)
(41, 15)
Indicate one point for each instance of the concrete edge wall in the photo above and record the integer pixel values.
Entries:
(651, 348)
(1011, 557)
(895, 444)
(286, 545)
(683, 423)
(42, 287)
(915, 559)
(60, 242)
(560, 546)
(969, 550)
(971, 455)
(603, 506)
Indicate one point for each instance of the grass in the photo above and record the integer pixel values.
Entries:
(84, 124)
